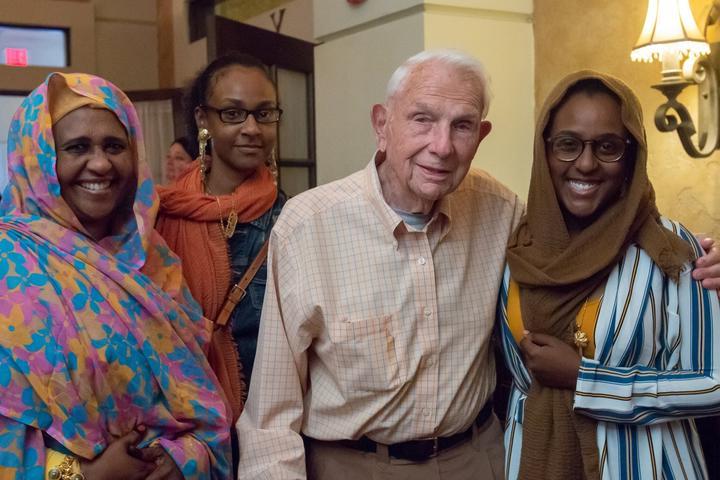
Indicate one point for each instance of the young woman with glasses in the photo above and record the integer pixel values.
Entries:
(611, 343)
(218, 215)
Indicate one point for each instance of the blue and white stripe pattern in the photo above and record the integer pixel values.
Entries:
(656, 365)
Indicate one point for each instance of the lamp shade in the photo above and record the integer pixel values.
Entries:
(669, 27)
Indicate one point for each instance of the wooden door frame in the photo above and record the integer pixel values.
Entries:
(14, 93)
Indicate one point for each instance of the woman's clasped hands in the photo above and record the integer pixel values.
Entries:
(124, 460)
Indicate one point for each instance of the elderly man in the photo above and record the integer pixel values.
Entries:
(375, 333)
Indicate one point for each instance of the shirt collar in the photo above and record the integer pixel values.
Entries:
(389, 218)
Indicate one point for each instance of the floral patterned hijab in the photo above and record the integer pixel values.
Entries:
(96, 338)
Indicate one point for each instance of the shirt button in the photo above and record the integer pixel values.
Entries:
(426, 412)
(430, 361)
(427, 311)
(422, 261)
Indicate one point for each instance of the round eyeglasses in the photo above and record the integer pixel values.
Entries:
(237, 115)
(606, 148)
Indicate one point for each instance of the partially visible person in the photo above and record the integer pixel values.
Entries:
(102, 348)
(218, 216)
(611, 343)
(707, 267)
(179, 158)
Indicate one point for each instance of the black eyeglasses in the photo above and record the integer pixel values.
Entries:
(606, 148)
(236, 115)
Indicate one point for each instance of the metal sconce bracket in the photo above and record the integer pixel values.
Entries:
(702, 72)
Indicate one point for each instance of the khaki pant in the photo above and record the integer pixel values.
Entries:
(482, 457)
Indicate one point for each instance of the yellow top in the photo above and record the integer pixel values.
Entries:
(586, 318)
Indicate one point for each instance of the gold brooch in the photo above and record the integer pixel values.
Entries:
(65, 470)
(581, 341)
(580, 337)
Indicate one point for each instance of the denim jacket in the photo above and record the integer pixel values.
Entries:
(244, 246)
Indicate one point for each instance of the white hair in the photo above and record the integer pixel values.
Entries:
(454, 58)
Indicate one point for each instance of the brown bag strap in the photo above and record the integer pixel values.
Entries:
(238, 291)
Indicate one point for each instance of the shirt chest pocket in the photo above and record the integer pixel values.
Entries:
(365, 353)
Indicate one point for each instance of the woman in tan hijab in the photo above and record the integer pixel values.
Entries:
(611, 343)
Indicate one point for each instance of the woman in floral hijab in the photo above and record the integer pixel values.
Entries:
(102, 349)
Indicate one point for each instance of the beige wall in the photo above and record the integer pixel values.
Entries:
(126, 46)
(78, 16)
(190, 57)
(503, 40)
(499, 6)
(116, 40)
(126, 43)
(570, 35)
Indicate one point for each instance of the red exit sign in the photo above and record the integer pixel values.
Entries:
(16, 57)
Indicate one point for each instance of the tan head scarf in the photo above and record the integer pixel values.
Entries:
(63, 100)
(557, 272)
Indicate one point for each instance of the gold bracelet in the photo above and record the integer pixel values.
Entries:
(66, 470)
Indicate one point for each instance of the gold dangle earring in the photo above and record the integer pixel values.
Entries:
(272, 164)
(203, 137)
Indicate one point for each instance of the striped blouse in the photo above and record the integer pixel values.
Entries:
(654, 368)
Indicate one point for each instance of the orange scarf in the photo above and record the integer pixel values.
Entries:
(189, 220)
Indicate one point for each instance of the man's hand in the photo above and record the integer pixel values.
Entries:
(551, 361)
(118, 461)
(707, 267)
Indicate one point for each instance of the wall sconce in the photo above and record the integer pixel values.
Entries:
(671, 35)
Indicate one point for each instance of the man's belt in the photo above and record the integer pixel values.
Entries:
(419, 450)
